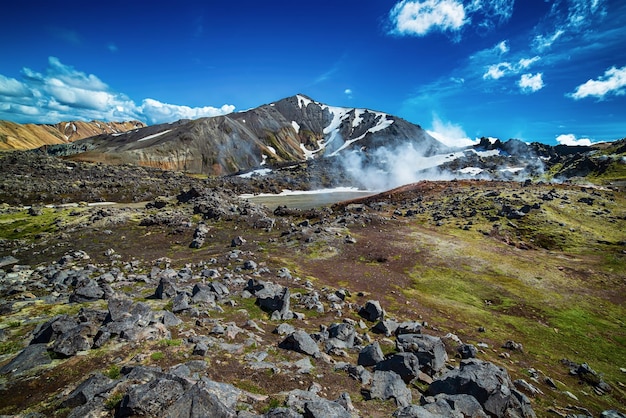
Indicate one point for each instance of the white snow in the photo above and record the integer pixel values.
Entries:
(243, 120)
(272, 149)
(382, 123)
(471, 170)
(512, 169)
(118, 134)
(259, 172)
(73, 127)
(492, 153)
(153, 136)
(357, 117)
(308, 155)
(303, 101)
(66, 125)
(295, 126)
(287, 192)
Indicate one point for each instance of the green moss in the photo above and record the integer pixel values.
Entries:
(249, 386)
(157, 355)
(170, 343)
(113, 372)
(9, 347)
(113, 401)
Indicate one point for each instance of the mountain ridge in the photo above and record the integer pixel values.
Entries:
(15, 136)
(292, 129)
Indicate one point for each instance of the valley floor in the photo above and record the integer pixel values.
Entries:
(532, 275)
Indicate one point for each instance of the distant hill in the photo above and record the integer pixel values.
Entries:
(15, 136)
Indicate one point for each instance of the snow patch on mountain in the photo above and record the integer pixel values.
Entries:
(303, 101)
(153, 136)
(295, 126)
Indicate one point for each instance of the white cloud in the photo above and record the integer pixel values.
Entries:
(497, 71)
(64, 93)
(503, 47)
(527, 62)
(348, 91)
(570, 139)
(421, 17)
(543, 42)
(158, 112)
(12, 87)
(612, 83)
(449, 134)
(530, 83)
(493, 11)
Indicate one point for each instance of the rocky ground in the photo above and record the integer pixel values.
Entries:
(463, 298)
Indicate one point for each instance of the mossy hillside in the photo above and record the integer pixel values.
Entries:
(525, 296)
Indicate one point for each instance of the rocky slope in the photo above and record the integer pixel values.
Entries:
(14, 136)
(462, 298)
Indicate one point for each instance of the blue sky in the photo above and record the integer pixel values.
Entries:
(537, 70)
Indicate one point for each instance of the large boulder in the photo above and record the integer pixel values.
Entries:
(405, 364)
(370, 355)
(372, 311)
(199, 401)
(301, 342)
(489, 384)
(340, 336)
(389, 385)
(152, 398)
(430, 350)
(30, 357)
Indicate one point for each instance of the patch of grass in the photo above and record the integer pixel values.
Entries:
(9, 347)
(272, 403)
(157, 355)
(113, 372)
(249, 386)
(170, 343)
(113, 401)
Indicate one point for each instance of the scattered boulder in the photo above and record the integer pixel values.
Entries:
(88, 389)
(30, 357)
(404, 364)
(301, 342)
(430, 350)
(372, 311)
(389, 385)
(199, 235)
(467, 351)
(370, 355)
(87, 290)
(489, 384)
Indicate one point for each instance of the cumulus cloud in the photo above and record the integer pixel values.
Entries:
(157, 112)
(530, 83)
(420, 17)
(570, 139)
(64, 93)
(612, 83)
(449, 134)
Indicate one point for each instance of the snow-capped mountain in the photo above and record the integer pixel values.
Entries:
(292, 129)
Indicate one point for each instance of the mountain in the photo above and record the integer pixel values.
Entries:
(14, 136)
(292, 129)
